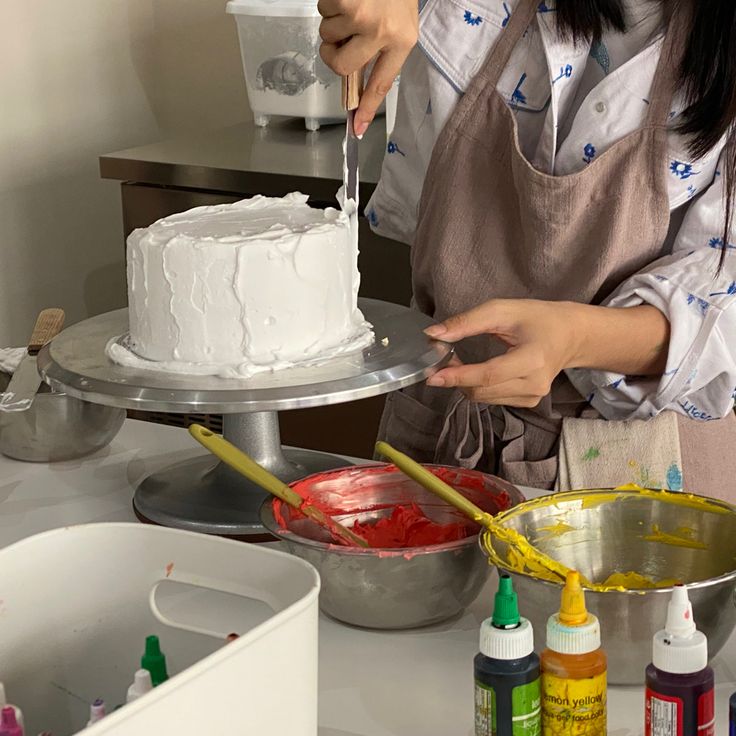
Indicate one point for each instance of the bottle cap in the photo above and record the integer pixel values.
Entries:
(505, 604)
(9, 725)
(4, 703)
(573, 630)
(680, 649)
(96, 711)
(141, 685)
(154, 661)
(506, 635)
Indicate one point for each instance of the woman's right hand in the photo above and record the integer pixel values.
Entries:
(356, 31)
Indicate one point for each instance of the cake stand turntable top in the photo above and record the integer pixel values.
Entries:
(76, 363)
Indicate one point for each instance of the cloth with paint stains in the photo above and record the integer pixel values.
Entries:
(598, 453)
(572, 103)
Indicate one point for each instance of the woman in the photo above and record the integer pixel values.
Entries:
(575, 161)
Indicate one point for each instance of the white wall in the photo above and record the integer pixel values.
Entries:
(82, 78)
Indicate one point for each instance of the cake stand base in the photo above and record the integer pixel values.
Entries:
(205, 495)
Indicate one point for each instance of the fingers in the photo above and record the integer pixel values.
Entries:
(386, 69)
(488, 317)
(497, 371)
(336, 29)
(348, 57)
(330, 8)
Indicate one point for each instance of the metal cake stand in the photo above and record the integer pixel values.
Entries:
(203, 494)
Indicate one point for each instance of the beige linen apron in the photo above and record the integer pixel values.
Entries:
(492, 226)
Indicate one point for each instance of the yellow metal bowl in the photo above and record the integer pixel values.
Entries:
(660, 536)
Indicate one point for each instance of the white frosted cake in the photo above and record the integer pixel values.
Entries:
(235, 289)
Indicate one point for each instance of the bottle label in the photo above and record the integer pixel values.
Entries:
(664, 715)
(707, 714)
(574, 706)
(485, 710)
(525, 710)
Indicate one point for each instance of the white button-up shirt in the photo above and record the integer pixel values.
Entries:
(572, 103)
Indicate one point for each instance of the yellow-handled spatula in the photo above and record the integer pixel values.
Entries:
(245, 465)
(447, 493)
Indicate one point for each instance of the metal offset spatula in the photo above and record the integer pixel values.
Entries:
(25, 382)
(351, 91)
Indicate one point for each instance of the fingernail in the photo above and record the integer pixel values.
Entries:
(436, 380)
(360, 130)
(435, 330)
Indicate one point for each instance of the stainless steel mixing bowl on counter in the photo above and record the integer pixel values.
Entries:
(57, 427)
(661, 536)
(391, 588)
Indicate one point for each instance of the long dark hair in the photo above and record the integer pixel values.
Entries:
(707, 73)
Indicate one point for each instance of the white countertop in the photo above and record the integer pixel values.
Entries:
(416, 683)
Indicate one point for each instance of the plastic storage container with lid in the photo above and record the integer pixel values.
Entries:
(284, 74)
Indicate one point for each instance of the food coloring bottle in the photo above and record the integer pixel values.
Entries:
(141, 685)
(9, 726)
(573, 668)
(97, 712)
(507, 689)
(4, 704)
(679, 696)
(154, 661)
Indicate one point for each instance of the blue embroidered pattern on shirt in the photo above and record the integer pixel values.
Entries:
(701, 304)
(393, 148)
(674, 478)
(599, 52)
(472, 20)
(589, 153)
(659, 277)
(616, 383)
(505, 21)
(372, 217)
(672, 372)
(565, 73)
(691, 191)
(544, 8)
(517, 96)
(694, 412)
(718, 243)
(729, 292)
(682, 170)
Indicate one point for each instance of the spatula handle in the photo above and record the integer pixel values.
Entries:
(48, 326)
(432, 483)
(352, 89)
(246, 466)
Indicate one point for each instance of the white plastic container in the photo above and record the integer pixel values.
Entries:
(77, 604)
(284, 74)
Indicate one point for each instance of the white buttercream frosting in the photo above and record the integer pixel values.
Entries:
(236, 289)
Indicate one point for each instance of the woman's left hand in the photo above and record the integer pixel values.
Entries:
(545, 338)
(541, 342)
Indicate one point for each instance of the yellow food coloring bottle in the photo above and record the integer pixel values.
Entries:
(573, 669)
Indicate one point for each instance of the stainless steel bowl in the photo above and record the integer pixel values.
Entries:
(58, 427)
(391, 589)
(608, 533)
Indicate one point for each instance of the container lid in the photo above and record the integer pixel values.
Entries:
(680, 649)
(283, 8)
(506, 635)
(573, 630)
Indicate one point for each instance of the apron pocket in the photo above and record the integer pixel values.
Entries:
(410, 426)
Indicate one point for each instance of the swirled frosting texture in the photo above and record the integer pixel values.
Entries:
(260, 284)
